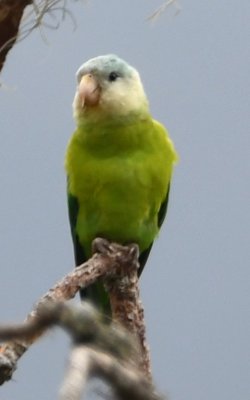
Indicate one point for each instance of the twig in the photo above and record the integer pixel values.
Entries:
(157, 13)
(125, 381)
(112, 258)
(122, 286)
(16, 25)
(11, 12)
(66, 289)
(100, 350)
(77, 374)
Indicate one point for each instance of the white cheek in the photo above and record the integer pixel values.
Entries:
(76, 100)
(75, 105)
(124, 96)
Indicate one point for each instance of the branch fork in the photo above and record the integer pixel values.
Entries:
(117, 265)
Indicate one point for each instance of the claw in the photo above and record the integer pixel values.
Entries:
(100, 245)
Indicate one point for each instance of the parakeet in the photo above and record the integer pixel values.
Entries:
(118, 162)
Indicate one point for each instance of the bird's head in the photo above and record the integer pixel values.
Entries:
(109, 87)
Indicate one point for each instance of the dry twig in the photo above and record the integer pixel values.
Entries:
(110, 257)
(125, 381)
(11, 12)
(100, 349)
(157, 13)
(15, 25)
(127, 309)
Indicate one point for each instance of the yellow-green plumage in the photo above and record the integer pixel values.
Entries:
(119, 169)
(120, 176)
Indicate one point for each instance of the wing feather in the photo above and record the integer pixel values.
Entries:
(161, 216)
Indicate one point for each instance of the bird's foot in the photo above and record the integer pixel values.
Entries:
(134, 250)
(100, 245)
(127, 253)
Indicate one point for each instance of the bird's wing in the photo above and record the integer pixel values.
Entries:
(73, 209)
(96, 292)
(161, 216)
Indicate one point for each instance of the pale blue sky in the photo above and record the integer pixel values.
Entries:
(195, 288)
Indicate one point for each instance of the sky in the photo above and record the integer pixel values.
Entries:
(195, 288)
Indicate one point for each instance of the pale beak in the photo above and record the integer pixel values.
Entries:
(88, 91)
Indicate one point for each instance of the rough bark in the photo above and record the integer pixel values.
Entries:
(100, 349)
(11, 12)
(126, 382)
(113, 263)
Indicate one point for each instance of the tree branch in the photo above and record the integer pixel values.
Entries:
(101, 350)
(125, 381)
(111, 263)
(11, 12)
(122, 286)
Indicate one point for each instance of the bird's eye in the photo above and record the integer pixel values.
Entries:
(113, 76)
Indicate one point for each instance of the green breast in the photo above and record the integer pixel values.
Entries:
(120, 175)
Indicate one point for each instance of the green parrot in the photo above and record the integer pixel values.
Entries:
(118, 162)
